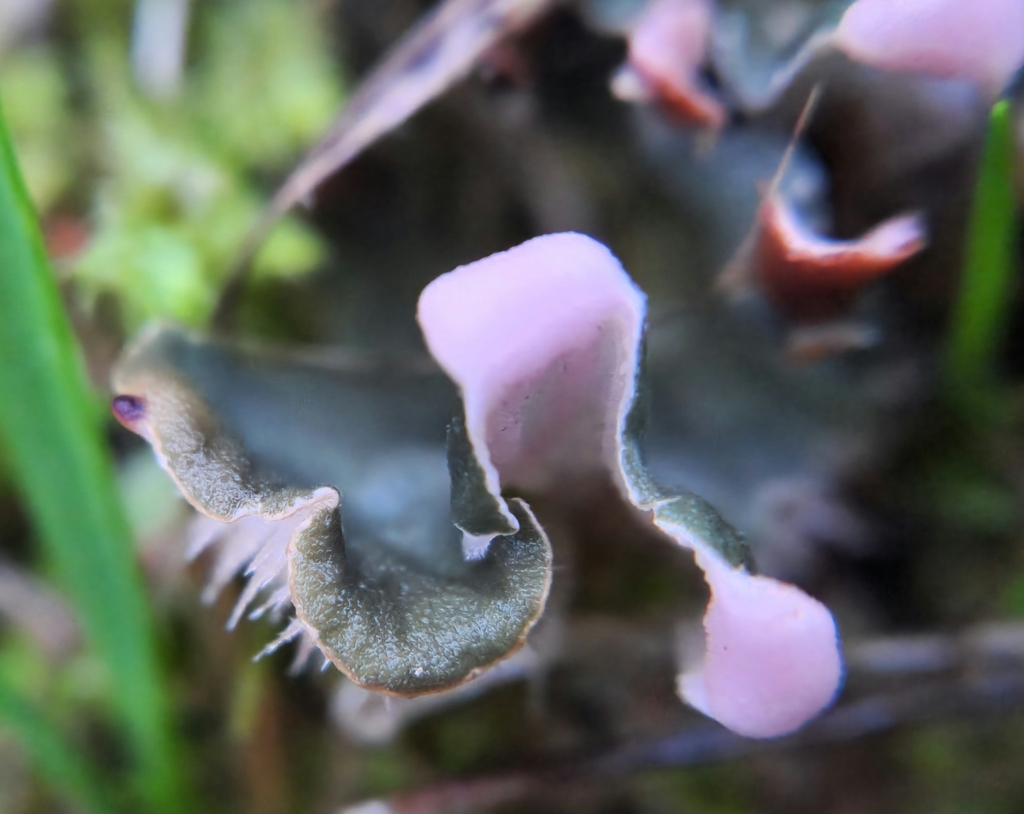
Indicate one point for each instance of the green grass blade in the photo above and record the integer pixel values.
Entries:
(979, 321)
(50, 755)
(53, 440)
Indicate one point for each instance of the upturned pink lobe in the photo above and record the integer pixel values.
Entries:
(544, 342)
(772, 659)
(667, 49)
(813, 278)
(978, 40)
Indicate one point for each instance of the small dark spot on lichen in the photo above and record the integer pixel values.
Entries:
(128, 409)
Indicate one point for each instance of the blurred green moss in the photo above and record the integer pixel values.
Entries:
(41, 123)
(264, 86)
(174, 185)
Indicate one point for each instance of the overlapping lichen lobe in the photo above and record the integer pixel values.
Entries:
(666, 51)
(811, 278)
(393, 628)
(687, 104)
(773, 660)
(982, 41)
(526, 334)
(772, 656)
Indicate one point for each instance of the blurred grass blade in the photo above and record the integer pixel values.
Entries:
(51, 432)
(50, 755)
(986, 291)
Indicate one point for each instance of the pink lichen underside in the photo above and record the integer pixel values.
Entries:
(885, 245)
(897, 238)
(542, 341)
(813, 278)
(671, 36)
(667, 49)
(979, 40)
(537, 325)
(772, 659)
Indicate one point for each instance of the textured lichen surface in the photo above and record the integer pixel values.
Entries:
(474, 509)
(393, 627)
(381, 585)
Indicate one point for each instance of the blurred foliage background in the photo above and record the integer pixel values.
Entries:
(886, 480)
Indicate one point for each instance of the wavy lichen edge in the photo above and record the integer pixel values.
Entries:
(545, 343)
(554, 328)
(384, 622)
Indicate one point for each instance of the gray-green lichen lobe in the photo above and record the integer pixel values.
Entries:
(396, 607)
(474, 509)
(682, 510)
(699, 518)
(209, 464)
(394, 628)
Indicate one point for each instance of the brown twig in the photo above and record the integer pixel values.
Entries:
(438, 51)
